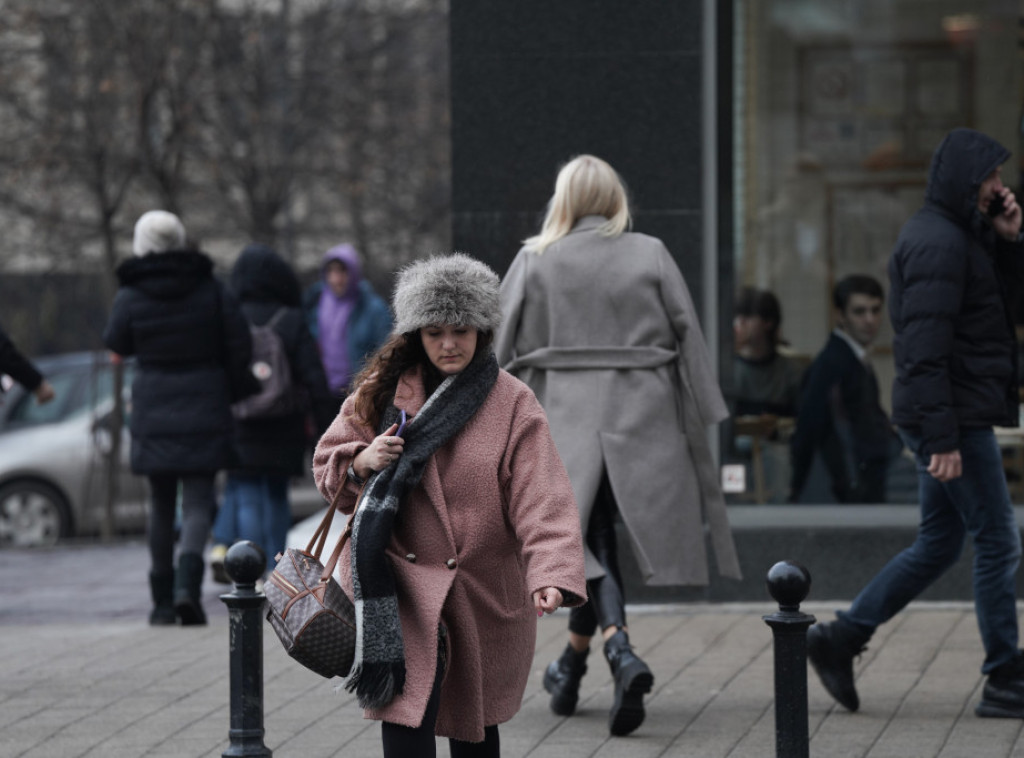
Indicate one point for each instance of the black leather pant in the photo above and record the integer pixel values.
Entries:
(607, 604)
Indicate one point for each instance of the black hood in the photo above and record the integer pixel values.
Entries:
(166, 276)
(261, 275)
(961, 163)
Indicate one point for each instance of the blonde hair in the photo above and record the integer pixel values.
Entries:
(586, 186)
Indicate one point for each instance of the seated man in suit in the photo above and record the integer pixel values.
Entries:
(839, 416)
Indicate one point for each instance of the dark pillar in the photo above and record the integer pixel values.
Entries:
(535, 83)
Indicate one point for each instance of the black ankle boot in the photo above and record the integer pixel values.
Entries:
(831, 648)
(633, 680)
(161, 587)
(188, 583)
(562, 680)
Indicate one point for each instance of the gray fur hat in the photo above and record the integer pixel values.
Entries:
(447, 289)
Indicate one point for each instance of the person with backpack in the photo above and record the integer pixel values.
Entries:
(270, 426)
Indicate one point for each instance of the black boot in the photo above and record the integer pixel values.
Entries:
(562, 680)
(161, 587)
(831, 648)
(1003, 696)
(633, 680)
(188, 583)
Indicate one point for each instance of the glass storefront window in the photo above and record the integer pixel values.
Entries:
(838, 108)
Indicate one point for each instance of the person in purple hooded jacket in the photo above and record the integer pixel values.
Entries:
(346, 316)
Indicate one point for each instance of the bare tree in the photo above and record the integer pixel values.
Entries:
(300, 123)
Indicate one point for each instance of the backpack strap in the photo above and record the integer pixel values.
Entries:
(278, 315)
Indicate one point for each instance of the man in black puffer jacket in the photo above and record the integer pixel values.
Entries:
(956, 263)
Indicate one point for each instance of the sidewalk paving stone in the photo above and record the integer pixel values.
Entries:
(82, 675)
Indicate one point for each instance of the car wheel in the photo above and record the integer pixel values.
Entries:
(32, 514)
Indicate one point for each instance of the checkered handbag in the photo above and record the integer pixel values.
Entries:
(307, 608)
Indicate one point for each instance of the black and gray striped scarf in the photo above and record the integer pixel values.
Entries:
(378, 671)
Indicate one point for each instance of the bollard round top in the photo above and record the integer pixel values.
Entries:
(245, 562)
(788, 583)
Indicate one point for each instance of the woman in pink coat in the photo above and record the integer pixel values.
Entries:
(465, 529)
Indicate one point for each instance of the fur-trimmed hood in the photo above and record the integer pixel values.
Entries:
(450, 289)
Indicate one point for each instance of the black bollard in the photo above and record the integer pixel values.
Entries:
(788, 583)
(245, 563)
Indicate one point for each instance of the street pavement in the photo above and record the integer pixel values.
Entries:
(82, 674)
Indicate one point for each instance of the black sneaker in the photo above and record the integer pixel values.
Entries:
(831, 654)
(1003, 696)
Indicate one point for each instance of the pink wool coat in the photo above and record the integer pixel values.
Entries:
(492, 521)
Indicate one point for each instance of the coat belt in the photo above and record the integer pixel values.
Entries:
(584, 358)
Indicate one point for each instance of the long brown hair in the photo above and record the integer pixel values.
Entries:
(375, 385)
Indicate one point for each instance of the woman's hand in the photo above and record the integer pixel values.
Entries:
(547, 600)
(381, 453)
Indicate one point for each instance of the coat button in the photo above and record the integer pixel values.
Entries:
(411, 557)
(450, 563)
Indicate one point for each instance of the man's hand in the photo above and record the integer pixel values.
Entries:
(1007, 223)
(44, 393)
(946, 466)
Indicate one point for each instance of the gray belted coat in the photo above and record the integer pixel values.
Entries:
(605, 333)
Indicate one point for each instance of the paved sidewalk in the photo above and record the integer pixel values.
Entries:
(81, 674)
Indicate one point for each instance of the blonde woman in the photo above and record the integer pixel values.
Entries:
(598, 321)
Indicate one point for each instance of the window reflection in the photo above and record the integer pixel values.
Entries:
(839, 107)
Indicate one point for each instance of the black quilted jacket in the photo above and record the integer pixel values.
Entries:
(193, 348)
(951, 281)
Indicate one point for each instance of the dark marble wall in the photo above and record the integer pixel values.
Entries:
(536, 82)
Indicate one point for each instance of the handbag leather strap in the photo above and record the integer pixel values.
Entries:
(317, 542)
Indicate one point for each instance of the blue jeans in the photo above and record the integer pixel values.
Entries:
(255, 507)
(978, 504)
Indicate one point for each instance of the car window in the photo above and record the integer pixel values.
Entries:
(78, 390)
(27, 412)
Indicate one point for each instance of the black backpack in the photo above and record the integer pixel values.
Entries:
(277, 396)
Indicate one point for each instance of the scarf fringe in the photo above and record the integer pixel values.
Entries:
(377, 684)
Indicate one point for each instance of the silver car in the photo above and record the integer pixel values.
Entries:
(54, 457)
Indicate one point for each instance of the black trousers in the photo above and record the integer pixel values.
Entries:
(418, 742)
(607, 604)
(198, 504)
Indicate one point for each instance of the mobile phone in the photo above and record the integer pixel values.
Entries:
(401, 426)
(996, 206)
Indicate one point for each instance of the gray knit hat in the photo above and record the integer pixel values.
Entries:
(454, 290)
(158, 232)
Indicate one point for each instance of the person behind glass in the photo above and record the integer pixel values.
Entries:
(464, 526)
(955, 263)
(598, 321)
(21, 370)
(840, 417)
(766, 381)
(348, 319)
(192, 349)
(270, 448)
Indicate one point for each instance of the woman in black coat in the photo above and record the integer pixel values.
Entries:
(270, 447)
(192, 348)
